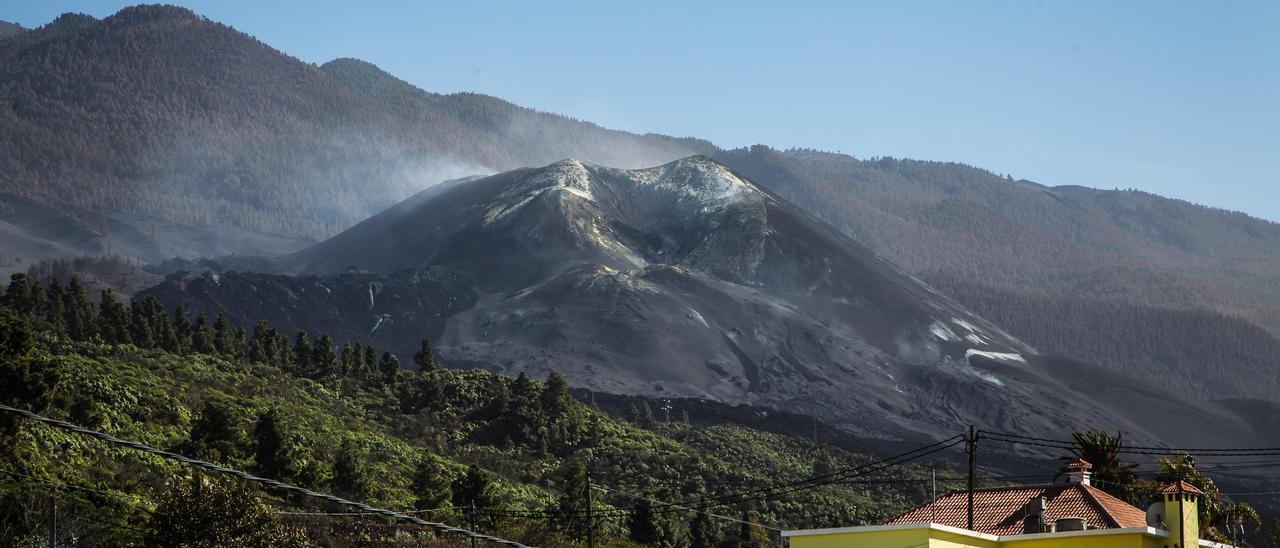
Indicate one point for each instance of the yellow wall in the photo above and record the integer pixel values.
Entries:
(901, 538)
(1135, 540)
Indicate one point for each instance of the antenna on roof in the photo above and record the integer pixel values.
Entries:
(972, 440)
(933, 503)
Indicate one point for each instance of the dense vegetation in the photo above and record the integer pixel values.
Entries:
(348, 420)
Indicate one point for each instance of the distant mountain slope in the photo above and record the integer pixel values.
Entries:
(683, 280)
(1187, 351)
(158, 112)
(1063, 242)
(156, 132)
(8, 29)
(500, 135)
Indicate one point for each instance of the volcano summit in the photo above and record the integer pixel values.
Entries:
(683, 280)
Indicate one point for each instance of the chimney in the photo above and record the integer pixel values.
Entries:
(1078, 471)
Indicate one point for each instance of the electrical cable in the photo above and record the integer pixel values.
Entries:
(714, 515)
(270, 483)
(77, 487)
(1147, 450)
(809, 483)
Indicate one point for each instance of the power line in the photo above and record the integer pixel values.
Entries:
(809, 483)
(850, 472)
(75, 486)
(428, 511)
(111, 524)
(274, 484)
(714, 515)
(1067, 446)
(777, 489)
(1145, 450)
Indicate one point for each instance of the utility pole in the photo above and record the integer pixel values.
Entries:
(972, 443)
(591, 527)
(933, 502)
(53, 523)
(471, 512)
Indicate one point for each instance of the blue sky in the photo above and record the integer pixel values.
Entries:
(1178, 98)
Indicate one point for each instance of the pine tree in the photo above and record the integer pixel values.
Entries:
(202, 337)
(424, 357)
(572, 501)
(350, 476)
(702, 532)
(641, 414)
(113, 319)
(431, 485)
(262, 343)
(55, 307)
(427, 392)
(217, 433)
(370, 361)
(475, 488)
(21, 295)
(81, 320)
(161, 329)
(350, 366)
(239, 346)
(524, 411)
(182, 329)
(358, 359)
(555, 397)
(139, 328)
(284, 357)
(643, 526)
(223, 336)
(24, 382)
(323, 358)
(388, 366)
(275, 456)
(303, 353)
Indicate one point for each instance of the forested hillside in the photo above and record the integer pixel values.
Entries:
(173, 118)
(347, 420)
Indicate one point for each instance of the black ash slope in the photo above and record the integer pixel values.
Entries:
(684, 280)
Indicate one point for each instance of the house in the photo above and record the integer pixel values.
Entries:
(1063, 515)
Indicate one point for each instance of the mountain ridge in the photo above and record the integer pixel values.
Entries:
(195, 123)
(1057, 241)
(683, 281)
(224, 166)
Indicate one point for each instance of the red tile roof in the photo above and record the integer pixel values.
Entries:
(1001, 510)
(1181, 487)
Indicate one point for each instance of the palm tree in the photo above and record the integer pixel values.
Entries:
(1102, 450)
